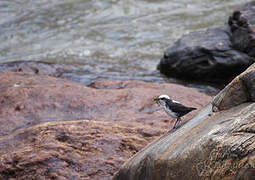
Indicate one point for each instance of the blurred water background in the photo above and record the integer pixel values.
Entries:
(104, 39)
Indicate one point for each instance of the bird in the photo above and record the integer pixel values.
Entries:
(173, 108)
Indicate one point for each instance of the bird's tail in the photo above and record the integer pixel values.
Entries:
(192, 108)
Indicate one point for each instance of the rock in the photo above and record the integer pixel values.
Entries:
(218, 143)
(53, 128)
(216, 54)
(33, 67)
(78, 149)
(241, 24)
(28, 100)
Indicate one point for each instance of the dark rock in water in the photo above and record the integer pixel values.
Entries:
(33, 67)
(218, 143)
(242, 28)
(215, 55)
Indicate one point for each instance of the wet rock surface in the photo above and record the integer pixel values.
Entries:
(218, 143)
(32, 67)
(53, 128)
(215, 55)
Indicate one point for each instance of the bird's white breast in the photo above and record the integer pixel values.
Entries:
(167, 110)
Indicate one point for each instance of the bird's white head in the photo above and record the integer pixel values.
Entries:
(163, 96)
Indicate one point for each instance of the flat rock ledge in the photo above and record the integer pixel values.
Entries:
(218, 143)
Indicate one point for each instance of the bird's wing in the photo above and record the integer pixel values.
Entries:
(178, 108)
(175, 106)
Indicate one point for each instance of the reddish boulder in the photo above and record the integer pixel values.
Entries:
(80, 149)
(51, 127)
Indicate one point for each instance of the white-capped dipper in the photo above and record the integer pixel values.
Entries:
(172, 107)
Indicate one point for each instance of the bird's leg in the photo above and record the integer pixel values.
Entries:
(175, 124)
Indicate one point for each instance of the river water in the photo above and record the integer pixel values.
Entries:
(103, 39)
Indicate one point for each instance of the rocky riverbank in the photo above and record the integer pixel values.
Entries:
(51, 128)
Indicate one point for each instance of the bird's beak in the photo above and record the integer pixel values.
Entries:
(155, 99)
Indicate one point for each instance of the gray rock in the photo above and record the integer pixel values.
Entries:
(241, 24)
(215, 55)
(218, 143)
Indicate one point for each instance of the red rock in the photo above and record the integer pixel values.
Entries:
(67, 149)
(51, 127)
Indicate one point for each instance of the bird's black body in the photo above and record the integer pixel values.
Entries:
(178, 108)
(173, 108)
